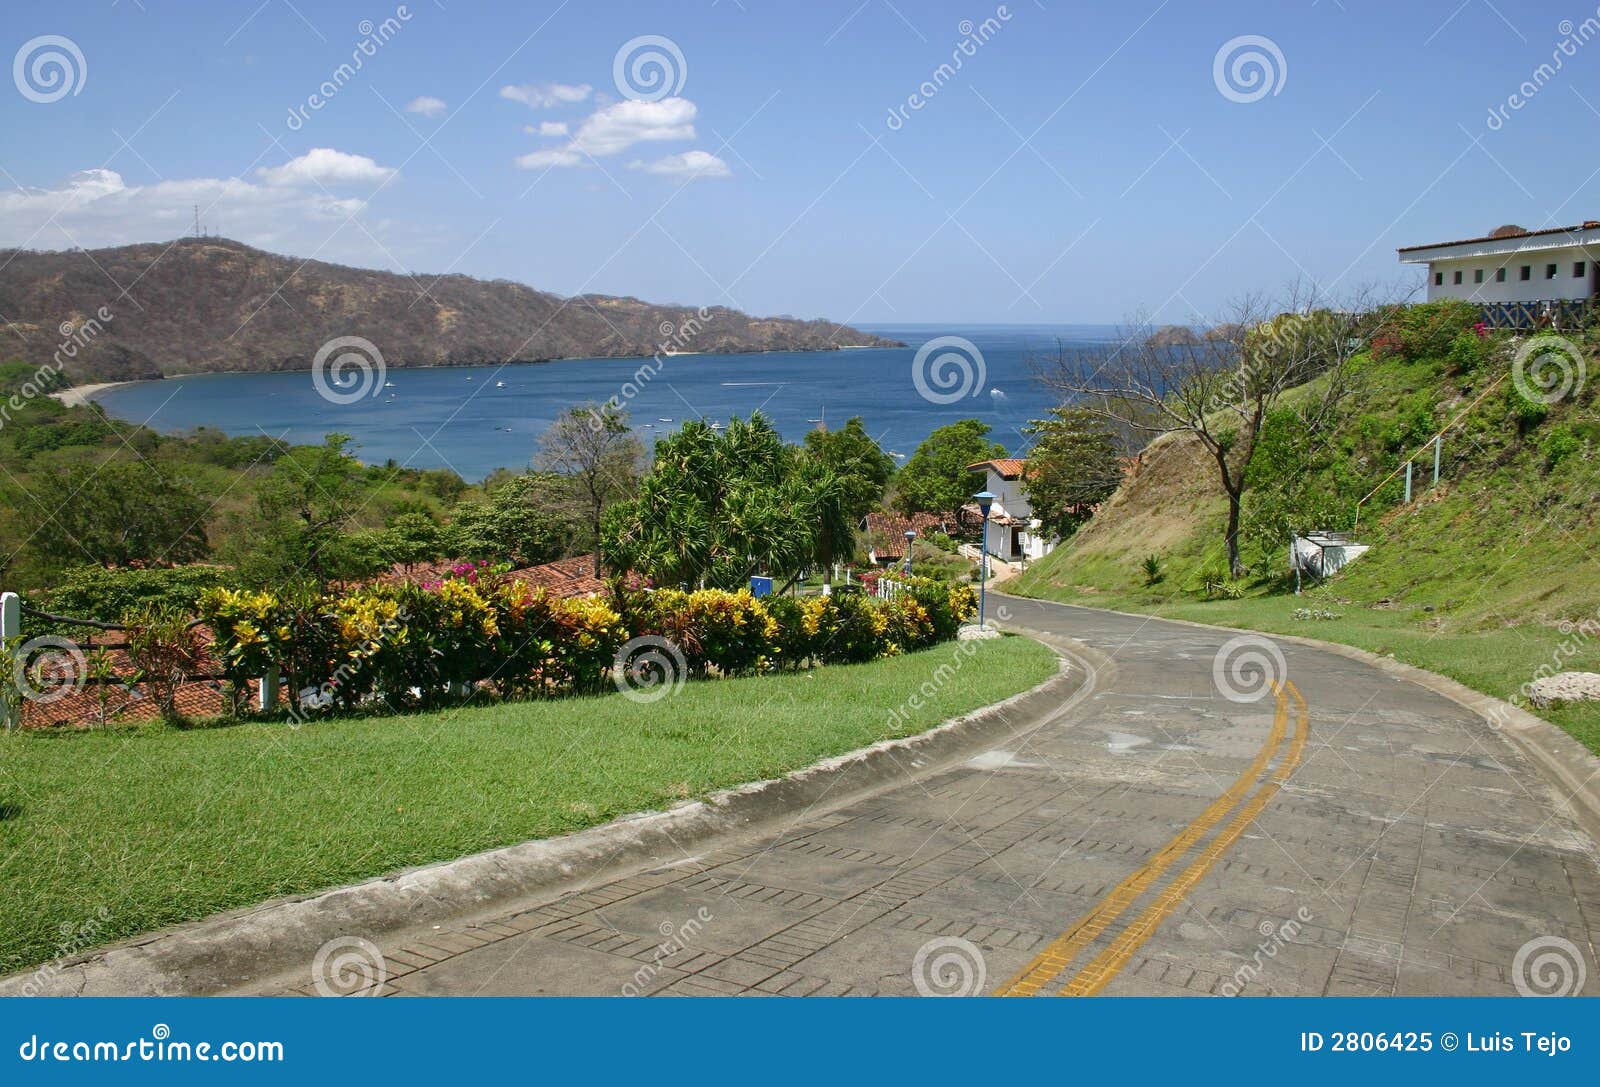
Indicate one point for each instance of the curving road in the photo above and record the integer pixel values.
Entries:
(1282, 820)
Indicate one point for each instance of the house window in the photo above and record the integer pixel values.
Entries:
(1477, 275)
(1527, 271)
(1438, 279)
(1549, 271)
(1499, 275)
(1578, 268)
(1457, 277)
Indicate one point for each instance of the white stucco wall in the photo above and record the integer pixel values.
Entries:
(1516, 289)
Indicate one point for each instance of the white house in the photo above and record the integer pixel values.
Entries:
(1014, 533)
(1519, 276)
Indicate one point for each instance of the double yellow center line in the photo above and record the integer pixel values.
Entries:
(1062, 951)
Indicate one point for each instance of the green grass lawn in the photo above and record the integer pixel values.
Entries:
(128, 830)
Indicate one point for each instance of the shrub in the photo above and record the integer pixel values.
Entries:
(1153, 574)
(1560, 444)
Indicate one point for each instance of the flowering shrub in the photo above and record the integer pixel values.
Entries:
(418, 644)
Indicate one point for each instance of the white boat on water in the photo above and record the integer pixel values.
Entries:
(664, 419)
(499, 384)
(388, 384)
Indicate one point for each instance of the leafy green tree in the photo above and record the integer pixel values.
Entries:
(521, 523)
(717, 507)
(117, 513)
(412, 538)
(936, 478)
(1074, 465)
(294, 531)
(595, 451)
(863, 468)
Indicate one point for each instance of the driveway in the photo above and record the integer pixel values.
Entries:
(1221, 814)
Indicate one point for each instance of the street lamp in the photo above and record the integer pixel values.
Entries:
(910, 535)
(985, 499)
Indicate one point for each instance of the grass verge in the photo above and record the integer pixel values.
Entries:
(107, 834)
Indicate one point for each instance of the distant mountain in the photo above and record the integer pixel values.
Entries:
(210, 304)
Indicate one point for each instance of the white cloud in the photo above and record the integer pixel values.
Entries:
(613, 129)
(97, 207)
(543, 160)
(427, 105)
(543, 95)
(550, 128)
(687, 164)
(325, 166)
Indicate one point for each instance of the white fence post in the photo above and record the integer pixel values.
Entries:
(267, 695)
(10, 627)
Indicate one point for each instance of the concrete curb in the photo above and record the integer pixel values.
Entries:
(1571, 769)
(254, 948)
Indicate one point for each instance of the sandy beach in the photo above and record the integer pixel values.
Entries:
(79, 395)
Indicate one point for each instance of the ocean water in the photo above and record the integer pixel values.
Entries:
(476, 419)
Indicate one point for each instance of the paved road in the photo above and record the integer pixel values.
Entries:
(1323, 828)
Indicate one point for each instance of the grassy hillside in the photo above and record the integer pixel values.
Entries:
(1489, 578)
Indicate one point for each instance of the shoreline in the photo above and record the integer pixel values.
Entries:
(79, 396)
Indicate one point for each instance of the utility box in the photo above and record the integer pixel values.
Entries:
(760, 586)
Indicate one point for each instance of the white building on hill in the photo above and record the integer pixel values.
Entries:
(1520, 277)
(1014, 533)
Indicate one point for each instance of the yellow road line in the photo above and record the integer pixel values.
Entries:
(1093, 977)
(1058, 955)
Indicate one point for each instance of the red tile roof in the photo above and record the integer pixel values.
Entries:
(1587, 224)
(1006, 467)
(564, 577)
(886, 532)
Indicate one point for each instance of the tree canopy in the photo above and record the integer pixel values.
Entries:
(717, 507)
(936, 478)
(1074, 465)
(863, 468)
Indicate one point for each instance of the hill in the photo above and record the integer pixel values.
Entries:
(210, 304)
(1490, 577)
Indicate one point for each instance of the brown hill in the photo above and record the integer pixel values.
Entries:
(210, 304)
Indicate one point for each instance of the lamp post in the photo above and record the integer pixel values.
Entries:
(910, 535)
(985, 499)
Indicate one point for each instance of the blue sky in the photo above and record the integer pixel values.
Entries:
(1083, 163)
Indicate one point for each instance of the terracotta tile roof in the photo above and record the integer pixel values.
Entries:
(126, 701)
(1587, 224)
(1006, 467)
(564, 577)
(886, 532)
